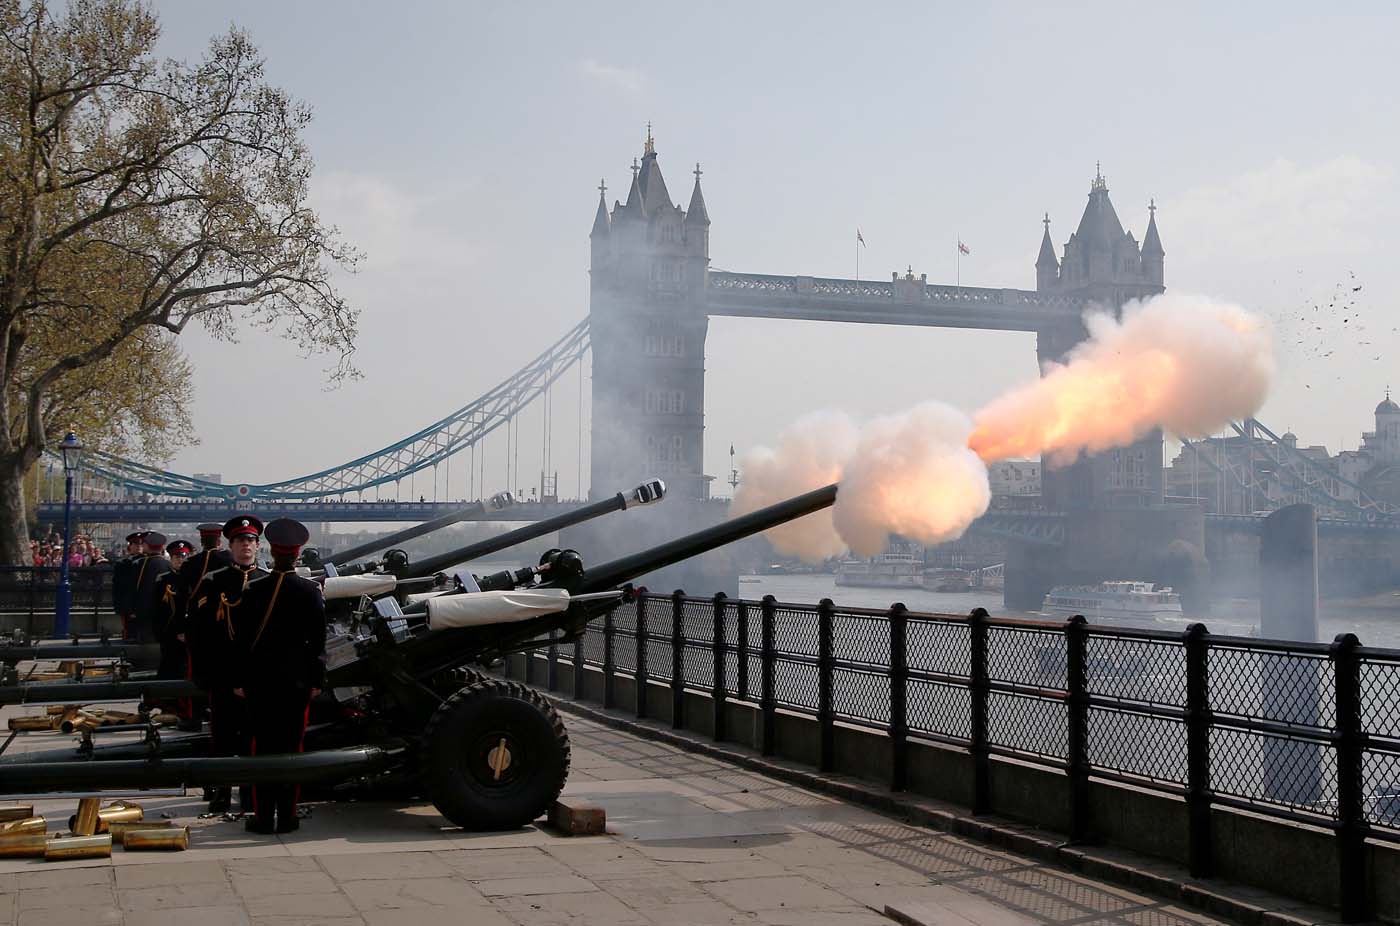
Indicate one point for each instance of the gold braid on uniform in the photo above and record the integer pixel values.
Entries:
(224, 612)
(168, 599)
(281, 574)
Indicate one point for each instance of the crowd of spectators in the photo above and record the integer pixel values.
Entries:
(48, 551)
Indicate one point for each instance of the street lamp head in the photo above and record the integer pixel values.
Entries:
(72, 448)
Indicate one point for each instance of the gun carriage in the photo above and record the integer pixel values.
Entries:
(403, 701)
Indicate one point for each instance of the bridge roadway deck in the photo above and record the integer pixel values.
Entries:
(691, 841)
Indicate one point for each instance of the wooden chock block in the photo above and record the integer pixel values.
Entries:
(574, 817)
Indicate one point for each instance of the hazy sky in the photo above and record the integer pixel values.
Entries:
(461, 144)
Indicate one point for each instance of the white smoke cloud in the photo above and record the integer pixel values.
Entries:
(811, 453)
(1185, 363)
(911, 474)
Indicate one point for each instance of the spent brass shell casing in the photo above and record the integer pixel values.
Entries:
(58, 710)
(118, 830)
(18, 812)
(84, 822)
(79, 721)
(32, 723)
(171, 838)
(62, 848)
(29, 824)
(24, 845)
(116, 812)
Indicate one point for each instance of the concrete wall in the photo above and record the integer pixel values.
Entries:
(1287, 858)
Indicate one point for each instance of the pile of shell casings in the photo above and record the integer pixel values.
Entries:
(91, 832)
(74, 718)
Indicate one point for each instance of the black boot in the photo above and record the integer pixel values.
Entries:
(258, 825)
(222, 800)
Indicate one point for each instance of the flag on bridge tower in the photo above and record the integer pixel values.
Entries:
(859, 238)
(962, 248)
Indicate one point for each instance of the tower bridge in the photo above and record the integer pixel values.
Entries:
(652, 294)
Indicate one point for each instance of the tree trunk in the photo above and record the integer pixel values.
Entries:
(14, 526)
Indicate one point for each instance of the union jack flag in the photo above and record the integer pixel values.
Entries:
(963, 249)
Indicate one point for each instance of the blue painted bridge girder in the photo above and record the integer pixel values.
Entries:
(183, 512)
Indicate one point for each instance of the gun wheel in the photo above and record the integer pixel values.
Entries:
(495, 756)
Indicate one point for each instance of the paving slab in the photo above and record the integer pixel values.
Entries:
(690, 840)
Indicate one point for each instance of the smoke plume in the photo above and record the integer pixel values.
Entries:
(1184, 363)
(811, 453)
(1187, 364)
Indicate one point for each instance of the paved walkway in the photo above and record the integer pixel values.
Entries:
(691, 841)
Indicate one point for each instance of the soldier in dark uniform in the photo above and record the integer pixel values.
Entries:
(280, 625)
(124, 578)
(174, 661)
(211, 632)
(210, 558)
(145, 606)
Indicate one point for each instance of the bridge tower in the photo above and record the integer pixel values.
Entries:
(648, 319)
(1103, 264)
(1117, 524)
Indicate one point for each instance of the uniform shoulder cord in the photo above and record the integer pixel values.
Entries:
(168, 598)
(142, 572)
(225, 610)
(268, 613)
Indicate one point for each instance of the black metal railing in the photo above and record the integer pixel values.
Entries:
(29, 594)
(1298, 731)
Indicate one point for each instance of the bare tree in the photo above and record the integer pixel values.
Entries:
(136, 196)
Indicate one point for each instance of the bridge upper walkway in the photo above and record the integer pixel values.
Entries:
(907, 301)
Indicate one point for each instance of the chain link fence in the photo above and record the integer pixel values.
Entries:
(1297, 731)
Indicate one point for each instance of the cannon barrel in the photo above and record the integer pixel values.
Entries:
(626, 568)
(11, 653)
(86, 692)
(497, 502)
(124, 774)
(644, 494)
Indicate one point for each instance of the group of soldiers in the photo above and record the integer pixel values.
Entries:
(252, 638)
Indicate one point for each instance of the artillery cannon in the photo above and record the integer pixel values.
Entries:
(498, 502)
(343, 581)
(402, 700)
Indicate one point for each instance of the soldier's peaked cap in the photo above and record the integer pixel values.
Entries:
(210, 530)
(155, 539)
(136, 536)
(286, 535)
(241, 524)
(182, 547)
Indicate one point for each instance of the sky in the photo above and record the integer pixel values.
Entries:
(460, 146)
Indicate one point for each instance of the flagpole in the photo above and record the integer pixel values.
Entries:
(959, 263)
(857, 255)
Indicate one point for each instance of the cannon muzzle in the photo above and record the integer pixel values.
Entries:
(653, 490)
(497, 502)
(626, 568)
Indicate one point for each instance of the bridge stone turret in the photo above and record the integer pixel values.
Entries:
(649, 325)
(1102, 266)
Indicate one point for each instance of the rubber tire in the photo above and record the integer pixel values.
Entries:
(479, 711)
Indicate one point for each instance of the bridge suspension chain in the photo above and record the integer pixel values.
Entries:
(429, 446)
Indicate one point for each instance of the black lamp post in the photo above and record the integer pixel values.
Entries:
(72, 449)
